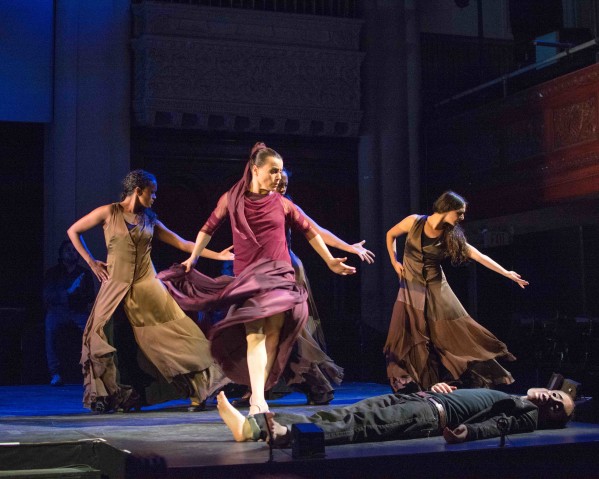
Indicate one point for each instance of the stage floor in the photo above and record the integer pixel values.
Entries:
(198, 444)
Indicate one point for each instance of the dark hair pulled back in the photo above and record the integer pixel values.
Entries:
(138, 179)
(258, 155)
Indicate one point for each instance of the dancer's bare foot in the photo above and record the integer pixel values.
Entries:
(234, 420)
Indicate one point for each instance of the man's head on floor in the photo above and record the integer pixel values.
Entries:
(555, 407)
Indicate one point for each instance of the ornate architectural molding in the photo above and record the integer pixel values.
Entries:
(193, 21)
(541, 94)
(546, 144)
(575, 123)
(222, 69)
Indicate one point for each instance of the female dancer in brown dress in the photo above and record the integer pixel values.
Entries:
(266, 308)
(429, 327)
(310, 349)
(170, 340)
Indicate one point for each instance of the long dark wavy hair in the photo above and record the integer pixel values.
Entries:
(138, 179)
(453, 237)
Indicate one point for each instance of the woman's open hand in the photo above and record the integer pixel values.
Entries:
(100, 269)
(517, 279)
(338, 266)
(363, 253)
(226, 254)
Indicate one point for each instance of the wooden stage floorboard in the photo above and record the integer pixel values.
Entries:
(168, 441)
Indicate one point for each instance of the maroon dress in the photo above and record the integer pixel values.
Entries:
(264, 284)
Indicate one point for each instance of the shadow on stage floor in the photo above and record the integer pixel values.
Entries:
(43, 427)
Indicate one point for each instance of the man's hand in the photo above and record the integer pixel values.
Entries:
(455, 436)
(442, 388)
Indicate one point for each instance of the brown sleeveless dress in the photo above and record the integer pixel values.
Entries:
(431, 331)
(169, 339)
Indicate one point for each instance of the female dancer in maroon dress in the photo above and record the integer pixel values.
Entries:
(267, 309)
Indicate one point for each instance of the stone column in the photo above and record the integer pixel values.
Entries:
(388, 143)
(414, 69)
(88, 140)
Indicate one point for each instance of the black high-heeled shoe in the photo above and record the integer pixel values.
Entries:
(196, 406)
(130, 401)
(99, 406)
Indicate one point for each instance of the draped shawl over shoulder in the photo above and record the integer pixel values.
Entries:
(264, 284)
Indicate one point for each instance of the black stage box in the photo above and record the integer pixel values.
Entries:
(95, 453)
(75, 472)
(307, 441)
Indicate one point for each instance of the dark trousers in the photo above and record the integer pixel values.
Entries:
(380, 418)
(55, 320)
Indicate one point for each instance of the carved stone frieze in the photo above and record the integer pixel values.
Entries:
(575, 123)
(217, 69)
(195, 21)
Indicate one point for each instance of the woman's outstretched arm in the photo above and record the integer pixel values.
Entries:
(336, 265)
(170, 237)
(205, 233)
(487, 262)
(331, 240)
(301, 223)
(201, 241)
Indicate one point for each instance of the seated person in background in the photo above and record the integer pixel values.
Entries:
(68, 292)
(458, 415)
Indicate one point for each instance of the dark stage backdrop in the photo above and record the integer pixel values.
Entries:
(193, 170)
(553, 324)
(21, 254)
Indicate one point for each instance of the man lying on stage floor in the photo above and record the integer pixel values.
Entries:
(458, 415)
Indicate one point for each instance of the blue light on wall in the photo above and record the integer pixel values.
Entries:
(26, 48)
